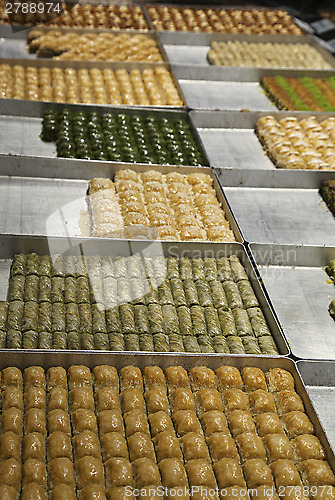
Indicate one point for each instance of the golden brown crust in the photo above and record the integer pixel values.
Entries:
(228, 472)
(179, 431)
(257, 473)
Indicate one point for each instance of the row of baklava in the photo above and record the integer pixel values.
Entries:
(304, 144)
(93, 46)
(221, 20)
(302, 94)
(136, 87)
(132, 266)
(103, 433)
(128, 17)
(96, 287)
(176, 206)
(140, 316)
(139, 327)
(157, 304)
(268, 55)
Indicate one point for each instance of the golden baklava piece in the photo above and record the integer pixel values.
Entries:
(279, 380)
(108, 421)
(268, 423)
(222, 445)
(316, 473)
(167, 445)
(228, 472)
(307, 446)
(159, 422)
(173, 472)
(277, 447)
(296, 423)
(257, 473)
(229, 377)
(214, 421)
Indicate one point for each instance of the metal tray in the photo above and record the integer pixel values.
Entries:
(128, 66)
(10, 245)
(282, 216)
(232, 146)
(21, 125)
(192, 48)
(47, 206)
(13, 29)
(300, 292)
(239, 89)
(28, 358)
(14, 43)
(219, 6)
(319, 380)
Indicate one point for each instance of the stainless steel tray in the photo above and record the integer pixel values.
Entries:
(24, 359)
(42, 205)
(192, 48)
(10, 245)
(232, 146)
(219, 6)
(128, 66)
(298, 288)
(14, 43)
(21, 125)
(232, 89)
(282, 216)
(319, 380)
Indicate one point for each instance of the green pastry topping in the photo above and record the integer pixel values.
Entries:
(121, 137)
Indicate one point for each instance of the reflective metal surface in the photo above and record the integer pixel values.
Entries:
(282, 216)
(319, 380)
(300, 291)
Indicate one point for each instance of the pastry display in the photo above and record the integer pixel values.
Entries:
(266, 55)
(93, 46)
(89, 86)
(125, 17)
(168, 207)
(130, 303)
(90, 451)
(122, 137)
(216, 20)
(298, 144)
(327, 191)
(301, 94)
